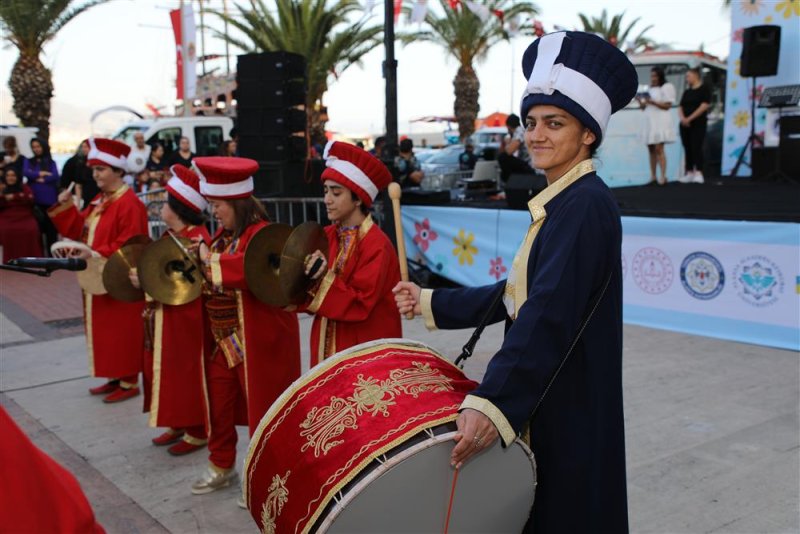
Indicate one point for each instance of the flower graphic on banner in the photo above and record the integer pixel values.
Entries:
(741, 119)
(424, 235)
(497, 268)
(738, 64)
(738, 35)
(789, 7)
(734, 83)
(464, 250)
(751, 7)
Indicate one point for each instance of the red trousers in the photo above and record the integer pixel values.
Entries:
(227, 402)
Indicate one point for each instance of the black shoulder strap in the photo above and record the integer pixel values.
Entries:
(589, 315)
(469, 348)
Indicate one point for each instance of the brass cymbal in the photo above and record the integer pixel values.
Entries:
(304, 240)
(115, 273)
(167, 275)
(91, 279)
(262, 263)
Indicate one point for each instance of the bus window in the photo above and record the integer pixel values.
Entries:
(126, 135)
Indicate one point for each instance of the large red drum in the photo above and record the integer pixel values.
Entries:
(362, 443)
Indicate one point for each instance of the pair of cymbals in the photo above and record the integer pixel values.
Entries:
(168, 273)
(274, 262)
(115, 276)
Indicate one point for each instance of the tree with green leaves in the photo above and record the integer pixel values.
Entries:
(611, 31)
(29, 25)
(329, 34)
(467, 38)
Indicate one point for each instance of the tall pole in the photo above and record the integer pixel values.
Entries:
(390, 74)
(227, 50)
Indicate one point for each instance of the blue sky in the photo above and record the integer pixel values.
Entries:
(122, 53)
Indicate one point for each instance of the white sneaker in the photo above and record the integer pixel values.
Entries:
(686, 178)
(698, 178)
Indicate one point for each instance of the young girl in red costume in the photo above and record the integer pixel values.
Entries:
(173, 357)
(256, 347)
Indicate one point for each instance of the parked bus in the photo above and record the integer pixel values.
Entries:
(623, 159)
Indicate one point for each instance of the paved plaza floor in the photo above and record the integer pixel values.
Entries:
(713, 443)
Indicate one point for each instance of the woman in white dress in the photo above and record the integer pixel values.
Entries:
(658, 127)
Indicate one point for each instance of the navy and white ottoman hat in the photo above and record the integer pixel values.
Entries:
(580, 73)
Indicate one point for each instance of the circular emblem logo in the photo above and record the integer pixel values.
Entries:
(652, 270)
(702, 275)
(758, 281)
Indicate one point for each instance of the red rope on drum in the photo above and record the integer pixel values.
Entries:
(450, 504)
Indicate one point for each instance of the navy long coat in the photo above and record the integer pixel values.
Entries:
(577, 435)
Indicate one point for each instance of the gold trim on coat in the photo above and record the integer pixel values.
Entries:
(517, 285)
(87, 300)
(491, 411)
(426, 303)
(158, 346)
(216, 271)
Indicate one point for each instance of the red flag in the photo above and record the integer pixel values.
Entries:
(398, 6)
(538, 28)
(454, 3)
(175, 17)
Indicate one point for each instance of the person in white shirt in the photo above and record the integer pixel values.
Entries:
(140, 153)
(658, 126)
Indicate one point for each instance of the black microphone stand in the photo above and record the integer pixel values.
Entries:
(44, 271)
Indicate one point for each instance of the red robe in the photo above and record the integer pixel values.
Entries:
(19, 232)
(355, 304)
(39, 495)
(114, 336)
(173, 375)
(271, 343)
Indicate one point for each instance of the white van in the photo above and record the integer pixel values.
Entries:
(205, 133)
(23, 136)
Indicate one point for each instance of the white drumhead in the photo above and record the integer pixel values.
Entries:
(410, 492)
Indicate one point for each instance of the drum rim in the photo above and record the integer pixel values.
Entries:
(314, 373)
(400, 457)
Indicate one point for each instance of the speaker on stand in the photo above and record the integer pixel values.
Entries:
(761, 47)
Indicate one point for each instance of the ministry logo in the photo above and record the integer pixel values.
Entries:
(758, 281)
(652, 270)
(702, 275)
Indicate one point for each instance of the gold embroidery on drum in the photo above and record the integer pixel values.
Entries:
(273, 505)
(323, 425)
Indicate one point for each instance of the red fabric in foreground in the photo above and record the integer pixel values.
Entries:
(38, 494)
(334, 421)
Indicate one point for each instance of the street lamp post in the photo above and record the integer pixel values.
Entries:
(390, 74)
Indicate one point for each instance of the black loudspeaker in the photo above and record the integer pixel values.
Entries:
(520, 188)
(288, 179)
(270, 66)
(273, 147)
(271, 117)
(278, 121)
(761, 47)
(270, 93)
(764, 161)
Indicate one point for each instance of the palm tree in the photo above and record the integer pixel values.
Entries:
(317, 29)
(29, 25)
(468, 39)
(612, 31)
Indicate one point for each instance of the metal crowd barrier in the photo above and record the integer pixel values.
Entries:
(289, 210)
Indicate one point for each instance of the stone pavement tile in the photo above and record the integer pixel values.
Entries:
(22, 366)
(46, 298)
(113, 509)
(10, 332)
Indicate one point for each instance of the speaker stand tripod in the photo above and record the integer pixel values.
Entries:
(752, 139)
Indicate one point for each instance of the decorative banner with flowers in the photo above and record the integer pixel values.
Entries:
(734, 280)
(744, 14)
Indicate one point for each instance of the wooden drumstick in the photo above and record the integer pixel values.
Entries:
(395, 193)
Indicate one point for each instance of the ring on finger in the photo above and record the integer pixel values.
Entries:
(476, 441)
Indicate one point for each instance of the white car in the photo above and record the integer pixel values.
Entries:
(205, 133)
